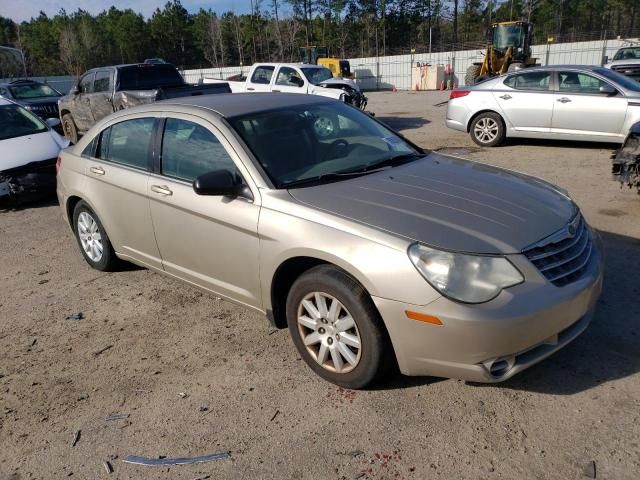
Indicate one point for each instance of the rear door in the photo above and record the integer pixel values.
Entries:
(117, 178)
(527, 101)
(81, 113)
(100, 99)
(289, 80)
(260, 80)
(211, 241)
(580, 109)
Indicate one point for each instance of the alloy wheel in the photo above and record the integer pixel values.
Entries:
(90, 237)
(329, 332)
(486, 130)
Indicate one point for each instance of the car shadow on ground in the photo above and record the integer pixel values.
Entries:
(608, 350)
(28, 202)
(403, 123)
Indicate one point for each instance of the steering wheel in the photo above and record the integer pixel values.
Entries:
(338, 148)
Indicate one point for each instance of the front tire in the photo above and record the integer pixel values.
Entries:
(487, 129)
(472, 74)
(336, 328)
(69, 128)
(93, 240)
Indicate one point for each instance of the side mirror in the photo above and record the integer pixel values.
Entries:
(297, 81)
(608, 89)
(606, 59)
(74, 90)
(52, 122)
(221, 183)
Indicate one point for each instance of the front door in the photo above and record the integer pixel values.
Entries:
(101, 99)
(81, 113)
(211, 241)
(580, 109)
(527, 101)
(288, 80)
(117, 189)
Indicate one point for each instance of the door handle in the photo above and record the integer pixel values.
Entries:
(250, 88)
(274, 90)
(97, 170)
(563, 100)
(506, 96)
(162, 190)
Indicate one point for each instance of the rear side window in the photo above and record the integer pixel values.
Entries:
(536, 81)
(102, 81)
(190, 150)
(262, 74)
(127, 143)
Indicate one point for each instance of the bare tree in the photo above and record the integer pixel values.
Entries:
(70, 52)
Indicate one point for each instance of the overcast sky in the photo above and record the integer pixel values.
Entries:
(19, 10)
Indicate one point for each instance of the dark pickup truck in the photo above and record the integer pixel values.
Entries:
(104, 90)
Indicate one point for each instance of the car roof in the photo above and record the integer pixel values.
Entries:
(275, 64)
(21, 81)
(237, 104)
(560, 67)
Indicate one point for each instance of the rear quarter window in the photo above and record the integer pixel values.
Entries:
(128, 143)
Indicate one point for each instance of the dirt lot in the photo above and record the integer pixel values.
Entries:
(198, 375)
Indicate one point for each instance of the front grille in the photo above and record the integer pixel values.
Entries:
(564, 257)
(629, 70)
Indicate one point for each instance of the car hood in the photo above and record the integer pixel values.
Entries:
(449, 203)
(340, 81)
(19, 151)
(39, 100)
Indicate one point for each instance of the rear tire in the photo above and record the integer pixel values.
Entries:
(69, 128)
(472, 75)
(93, 240)
(336, 328)
(487, 129)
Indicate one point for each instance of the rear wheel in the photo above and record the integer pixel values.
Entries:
(487, 129)
(69, 128)
(336, 328)
(92, 239)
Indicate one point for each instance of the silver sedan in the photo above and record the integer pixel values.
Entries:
(564, 102)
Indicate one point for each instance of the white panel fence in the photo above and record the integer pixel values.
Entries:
(385, 73)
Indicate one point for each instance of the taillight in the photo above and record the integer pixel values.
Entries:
(459, 93)
(58, 163)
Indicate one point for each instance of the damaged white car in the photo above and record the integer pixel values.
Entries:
(28, 152)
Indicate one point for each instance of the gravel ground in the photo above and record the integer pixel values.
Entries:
(198, 375)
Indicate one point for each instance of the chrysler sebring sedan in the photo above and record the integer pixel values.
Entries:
(569, 102)
(373, 252)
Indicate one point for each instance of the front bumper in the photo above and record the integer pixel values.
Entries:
(491, 342)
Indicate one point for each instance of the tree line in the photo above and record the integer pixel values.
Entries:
(274, 30)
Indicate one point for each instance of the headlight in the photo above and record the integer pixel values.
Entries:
(466, 278)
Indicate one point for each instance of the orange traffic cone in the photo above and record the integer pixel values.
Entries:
(393, 88)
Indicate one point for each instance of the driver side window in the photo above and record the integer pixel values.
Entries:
(288, 77)
(86, 83)
(190, 150)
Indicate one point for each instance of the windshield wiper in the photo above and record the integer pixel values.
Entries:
(364, 170)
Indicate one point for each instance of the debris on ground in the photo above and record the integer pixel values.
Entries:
(176, 461)
(76, 438)
(102, 350)
(204, 477)
(108, 467)
(590, 469)
(75, 316)
(182, 395)
(274, 415)
(117, 416)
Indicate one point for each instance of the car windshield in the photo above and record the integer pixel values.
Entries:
(33, 90)
(623, 81)
(15, 121)
(307, 144)
(317, 75)
(630, 53)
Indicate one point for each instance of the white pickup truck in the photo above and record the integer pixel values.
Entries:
(297, 78)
